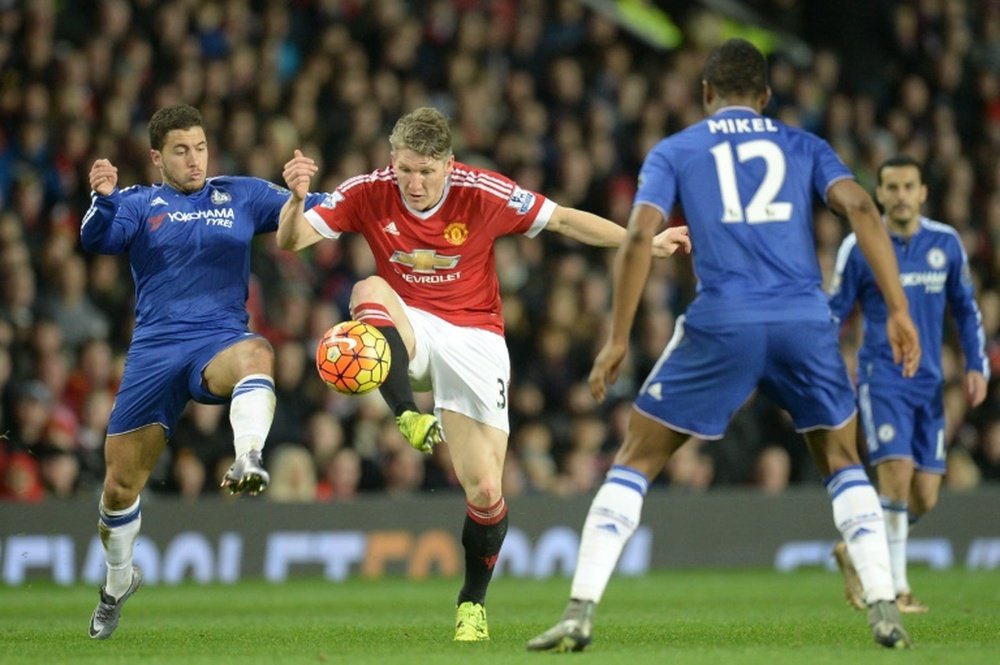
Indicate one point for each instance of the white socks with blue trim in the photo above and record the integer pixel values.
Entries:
(118, 530)
(613, 518)
(858, 516)
(897, 531)
(251, 412)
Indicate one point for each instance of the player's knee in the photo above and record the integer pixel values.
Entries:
(371, 289)
(921, 504)
(120, 492)
(483, 493)
(258, 356)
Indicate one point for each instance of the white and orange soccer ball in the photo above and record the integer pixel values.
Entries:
(353, 358)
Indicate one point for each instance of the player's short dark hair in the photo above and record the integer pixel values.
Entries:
(425, 131)
(736, 67)
(897, 161)
(170, 118)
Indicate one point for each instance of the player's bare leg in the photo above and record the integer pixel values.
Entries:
(477, 454)
(129, 459)
(907, 494)
(613, 518)
(374, 302)
(245, 372)
(857, 514)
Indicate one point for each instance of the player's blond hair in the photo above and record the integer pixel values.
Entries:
(425, 131)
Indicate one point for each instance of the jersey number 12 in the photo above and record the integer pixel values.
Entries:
(762, 206)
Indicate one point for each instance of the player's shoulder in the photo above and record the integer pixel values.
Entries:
(936, 228)
(477, 181)
(243, 183)
(383, 178)
(138, 193)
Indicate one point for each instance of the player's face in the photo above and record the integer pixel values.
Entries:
(421, 178)
(901, 194)
(183, 162)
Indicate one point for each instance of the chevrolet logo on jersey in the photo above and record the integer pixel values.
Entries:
(424, 260)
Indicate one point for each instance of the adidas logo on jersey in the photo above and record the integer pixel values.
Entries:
(158, 202)
(391, 229)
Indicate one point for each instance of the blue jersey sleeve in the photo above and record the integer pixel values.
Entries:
(266, 199)
(846, 279)
(965, 311)
(828, 168)
(657, 180)
(111, 221)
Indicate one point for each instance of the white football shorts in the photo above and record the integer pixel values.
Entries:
(467, 369)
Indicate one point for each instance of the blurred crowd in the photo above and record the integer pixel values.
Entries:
(550, 93)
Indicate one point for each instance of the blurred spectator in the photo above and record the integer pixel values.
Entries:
(987, 456)
(772, 470)
(341, 476)
(293, 475)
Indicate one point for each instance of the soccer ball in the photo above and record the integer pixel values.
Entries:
(353, 357)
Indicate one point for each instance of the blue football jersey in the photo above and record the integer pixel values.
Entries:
(747, 184)
(934, 272)
(189, 253)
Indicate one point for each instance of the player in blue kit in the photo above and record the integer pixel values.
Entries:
(760, 320)
(904, 419)
(188, 240)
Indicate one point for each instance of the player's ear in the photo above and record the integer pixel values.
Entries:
(157, 157)
(765, 98)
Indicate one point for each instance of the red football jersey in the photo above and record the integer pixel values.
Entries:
(439, 260)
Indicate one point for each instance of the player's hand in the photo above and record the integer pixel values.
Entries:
(605, 369)
(103, 177)
(904, 341)
(975, 387)
(298, 171)
(668, 241)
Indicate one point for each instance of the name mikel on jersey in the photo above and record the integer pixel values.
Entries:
(741, 125)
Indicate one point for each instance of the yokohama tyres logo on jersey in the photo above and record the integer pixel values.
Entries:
(207, 215)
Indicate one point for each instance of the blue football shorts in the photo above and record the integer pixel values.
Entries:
(162, 375)
(904, 424)
(706, 373)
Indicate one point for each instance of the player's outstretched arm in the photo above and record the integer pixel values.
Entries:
(595, 230)
(585, 227)
(294, 230)
(848, 198)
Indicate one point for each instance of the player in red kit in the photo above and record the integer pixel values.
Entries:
(430, 222)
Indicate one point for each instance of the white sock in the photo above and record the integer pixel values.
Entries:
(897, 531)
(858, 515)
(613, 517)
(251, 412)
(118, 530)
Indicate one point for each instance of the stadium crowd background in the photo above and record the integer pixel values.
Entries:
(550, 93)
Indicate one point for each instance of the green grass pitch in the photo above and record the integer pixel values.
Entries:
(677, 618)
